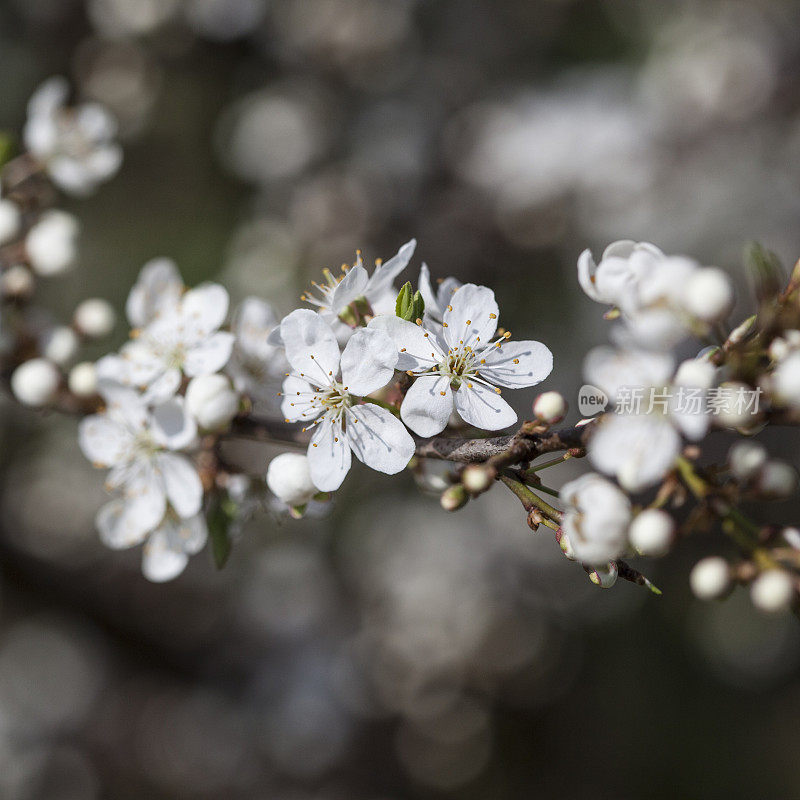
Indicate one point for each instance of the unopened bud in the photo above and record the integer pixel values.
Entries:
(82, 380)
(95, 318)
(741, 331)
(289, 479)
(651, 532)
(772, 591)
(550, 407)
(604, 577)
(777, 480)
(10, 220)
(212, 401)
(746, 459)
(454, 498)
(792, 537)
(708, 294)
(51, 243)
(710, 578)
(565, 544)
(477, 478)
(35, 382)
(60, 345)
(17, 281)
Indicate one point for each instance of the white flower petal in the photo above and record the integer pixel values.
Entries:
(157, 289)
(182, 483)
(163, 557)
(311, 346)
(203, 309)
(483, 407)
(253, 321)
(387, 271)
(329, 456)
(172, 425)
(428, 405)
(210, 355)
(104, 441)
(471, 317)
(163, 387)
(116, 526)
(379, 439)
(350, 287)
(517, 364)
(586, 275)
(297, 404)
(639, 450)
(417, 347)
(368, 361)
(145, 499)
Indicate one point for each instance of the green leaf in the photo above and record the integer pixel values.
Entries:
(8, 147)
(221, 513)
(410, 305)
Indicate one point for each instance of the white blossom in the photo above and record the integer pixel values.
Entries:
(59, 344)
(708, 295)
(461, 367)
(52, 243)
(35, 382)
(596, 519)
(436, 302)
(785, 380)
(10, 220)
(257, 367)
(376, 292)
(212, 401)
(137, 444)
(289, 479)
(323, 390)
(185, 338)
(75, 144)
(157, 291)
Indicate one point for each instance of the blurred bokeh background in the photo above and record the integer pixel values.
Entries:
(389, 650)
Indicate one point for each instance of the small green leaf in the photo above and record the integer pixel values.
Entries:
(221, 513)
(417, 306)
(8, 147)
(403, 305)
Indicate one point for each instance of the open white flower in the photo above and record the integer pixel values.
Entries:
(316, 392)
(436, 302)
(75, 145)
(615, 279)
(256, 367)
(639, 444)
(356, 285)
(137, 445)
(157, 291)
(461, 367)
(184, 338)
(596, 520)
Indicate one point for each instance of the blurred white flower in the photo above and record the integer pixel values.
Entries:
(35, 382)
(289, 479)
(315, 391)
(167, 550)
(75, 145)
(596, 520)
(137, 444)
(461, 367)
(184, 338)
(157, 291)
(212, 401)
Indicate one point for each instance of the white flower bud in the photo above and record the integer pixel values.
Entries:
(550, 407)
(212, 401)
(786, 379)
(82, 380)
(779, 349)
(35, 382)
(566, 545)
(289, 479)
(708, 294)
(60, 345)
(10, 220)
(792, 537)
(746, 459)
(777, 479)
(604, 577)
(51, 243)
(733, 414)
(695, 373)
(710, 578)
(17, 281)
(95, 318)
(454, 498)
(772, 591)
(651, 532)
(476, 478)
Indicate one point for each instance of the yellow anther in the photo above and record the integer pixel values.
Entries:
(492, 316)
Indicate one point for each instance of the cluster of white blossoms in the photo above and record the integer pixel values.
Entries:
(398, 377)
